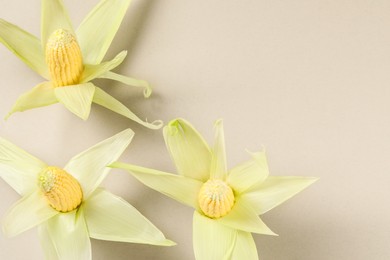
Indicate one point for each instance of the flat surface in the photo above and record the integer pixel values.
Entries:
(309, 80)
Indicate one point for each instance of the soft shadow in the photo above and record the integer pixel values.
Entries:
(128, 38)
(303, 240)
(132, 28)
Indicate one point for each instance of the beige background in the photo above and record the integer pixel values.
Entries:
(307, 79)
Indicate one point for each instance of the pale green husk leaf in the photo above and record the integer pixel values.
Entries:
(68, 233)
(274, 191)
(104, 99)
(30, 211)
(25, 46)
(249, 173)
(244, 218)
(54, 16)
(94, 71)
(129, 81)
(212, 240)
(76, 98)
(218, 163)
(190, 153)
(39, 96)
(48, 247)
(96, 32)
(180, 188)
(245, 248)
(89, 167)
(18, 168)
(111, 218)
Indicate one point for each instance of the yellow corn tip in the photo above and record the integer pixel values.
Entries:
(62, 190)
(216, 198)
(63, 56)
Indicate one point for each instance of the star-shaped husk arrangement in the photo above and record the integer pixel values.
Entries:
(227, 203)
(70, 59)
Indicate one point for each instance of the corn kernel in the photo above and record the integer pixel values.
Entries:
(63, 56)
(62, 190)
(216, 198)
